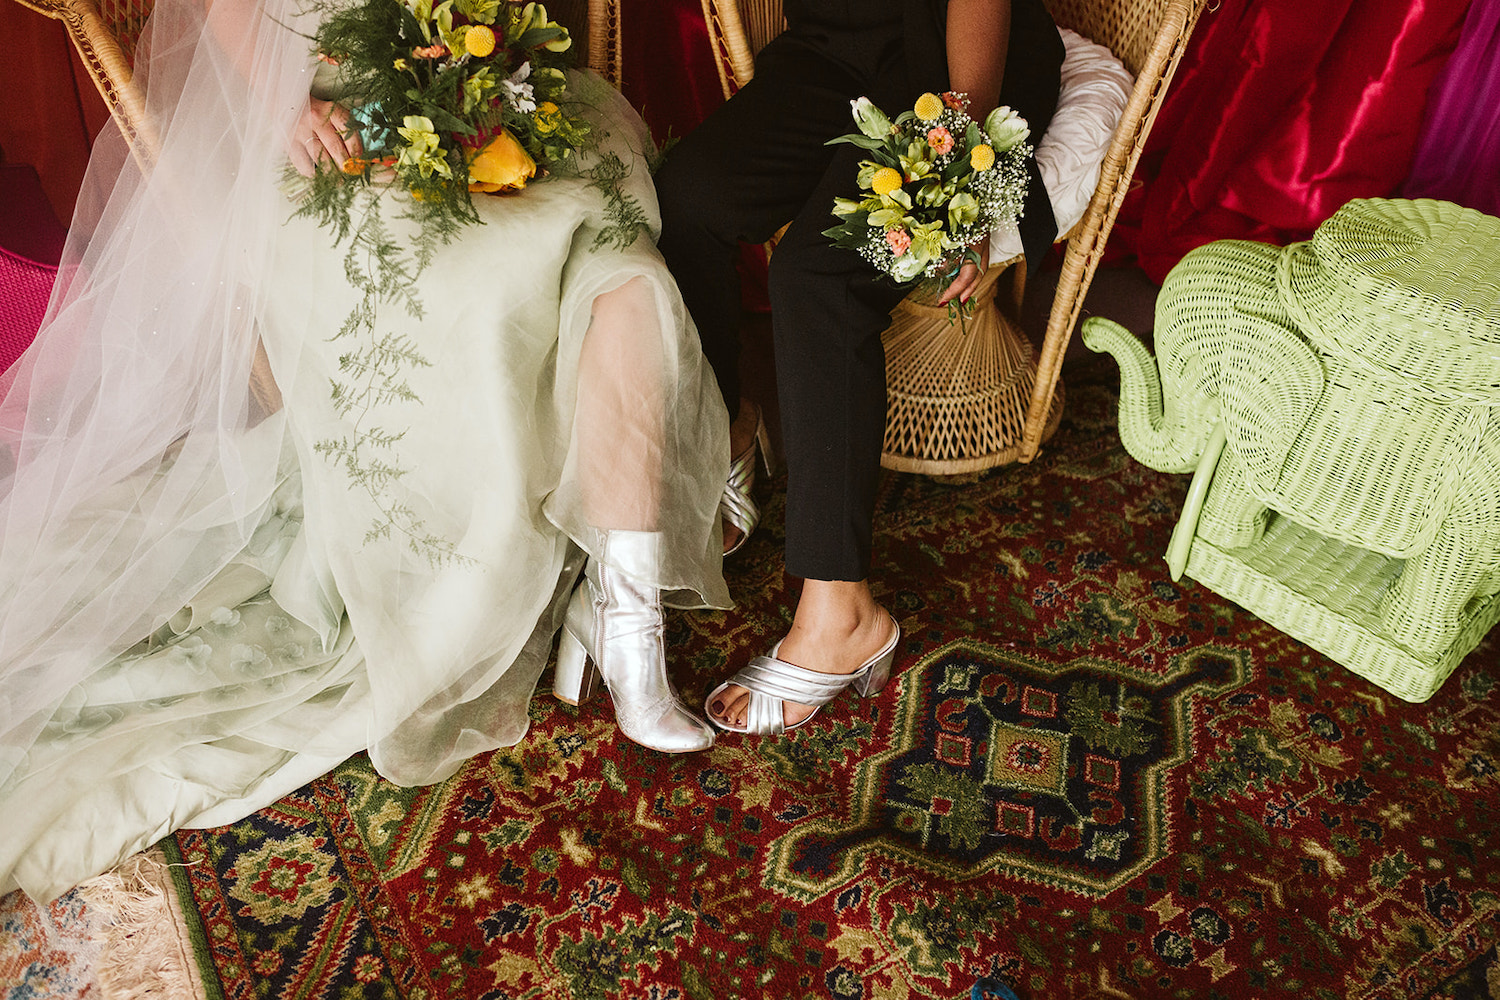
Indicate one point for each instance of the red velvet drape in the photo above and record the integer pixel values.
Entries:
(52, 110)
(667, 67)
(1282, 111)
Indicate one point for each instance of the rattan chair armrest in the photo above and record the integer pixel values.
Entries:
(1087, 248)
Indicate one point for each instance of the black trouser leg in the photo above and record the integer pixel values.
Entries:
(760, 161)
(744, 173)
(828, 310)
(755, 164)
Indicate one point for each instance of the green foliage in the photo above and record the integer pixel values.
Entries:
(371, 374)
(626, 219)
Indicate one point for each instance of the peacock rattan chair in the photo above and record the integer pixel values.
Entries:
(106, 33)
(956, 407)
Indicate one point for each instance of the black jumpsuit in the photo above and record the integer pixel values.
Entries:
(759, 162)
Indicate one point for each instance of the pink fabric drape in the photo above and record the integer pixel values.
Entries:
(1282, 111)
(1458, 153)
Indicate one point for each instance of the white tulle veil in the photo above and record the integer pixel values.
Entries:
(142, 373)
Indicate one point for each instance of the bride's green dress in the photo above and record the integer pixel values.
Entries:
(274, 641)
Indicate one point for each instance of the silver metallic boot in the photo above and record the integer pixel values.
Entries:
(615, 621)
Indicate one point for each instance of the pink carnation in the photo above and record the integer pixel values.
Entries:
(941, 140)
(899, 240)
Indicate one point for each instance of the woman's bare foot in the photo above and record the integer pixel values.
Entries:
(837, 628)
(741, 439)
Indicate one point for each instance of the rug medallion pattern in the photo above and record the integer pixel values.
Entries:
(1085, 781)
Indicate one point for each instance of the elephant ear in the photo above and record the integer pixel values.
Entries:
(1269, 387)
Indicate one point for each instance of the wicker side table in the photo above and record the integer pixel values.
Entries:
(1338, 402)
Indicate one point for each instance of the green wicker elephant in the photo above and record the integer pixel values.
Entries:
(1339, 404)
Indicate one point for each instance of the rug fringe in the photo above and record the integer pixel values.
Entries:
(147, 955)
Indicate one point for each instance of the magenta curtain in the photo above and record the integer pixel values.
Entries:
(1282, 111)
(1458, 152)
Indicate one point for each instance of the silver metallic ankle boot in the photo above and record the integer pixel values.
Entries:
(615, 621)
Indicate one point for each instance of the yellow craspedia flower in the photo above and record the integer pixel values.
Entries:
(479, 40)
(929, 107)
(886, 180)
(982, 157)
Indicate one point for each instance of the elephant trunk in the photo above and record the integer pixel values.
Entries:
(1170, 437)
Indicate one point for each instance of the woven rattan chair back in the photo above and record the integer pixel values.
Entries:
(1148, 37)
(1129, 30)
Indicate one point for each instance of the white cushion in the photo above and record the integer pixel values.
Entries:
(1095, 88)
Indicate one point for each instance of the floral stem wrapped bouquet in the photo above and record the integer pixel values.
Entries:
(452, 98)
(936, 183)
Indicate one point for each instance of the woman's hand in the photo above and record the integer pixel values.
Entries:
(322, 130)
(963, 284)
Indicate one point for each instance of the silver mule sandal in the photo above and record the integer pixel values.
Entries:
(772, 682)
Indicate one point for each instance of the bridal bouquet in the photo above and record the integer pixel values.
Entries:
(454, 97)
(935, 184)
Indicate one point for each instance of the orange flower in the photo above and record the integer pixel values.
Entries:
(357, 164)
(501, 165)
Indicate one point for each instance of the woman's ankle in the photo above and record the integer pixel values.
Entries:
(835, 623)
(743, 427)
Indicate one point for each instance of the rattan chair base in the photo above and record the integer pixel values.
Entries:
(1324, 593)
(957, 393)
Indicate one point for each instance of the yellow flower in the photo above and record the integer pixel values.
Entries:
(479, 40)
(401, 64)
(423, 150)
(982, 157)
(886, 180)
(929, 107)
(548, 117)
(502, 165)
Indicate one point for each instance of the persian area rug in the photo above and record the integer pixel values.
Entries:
(1085, 781)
